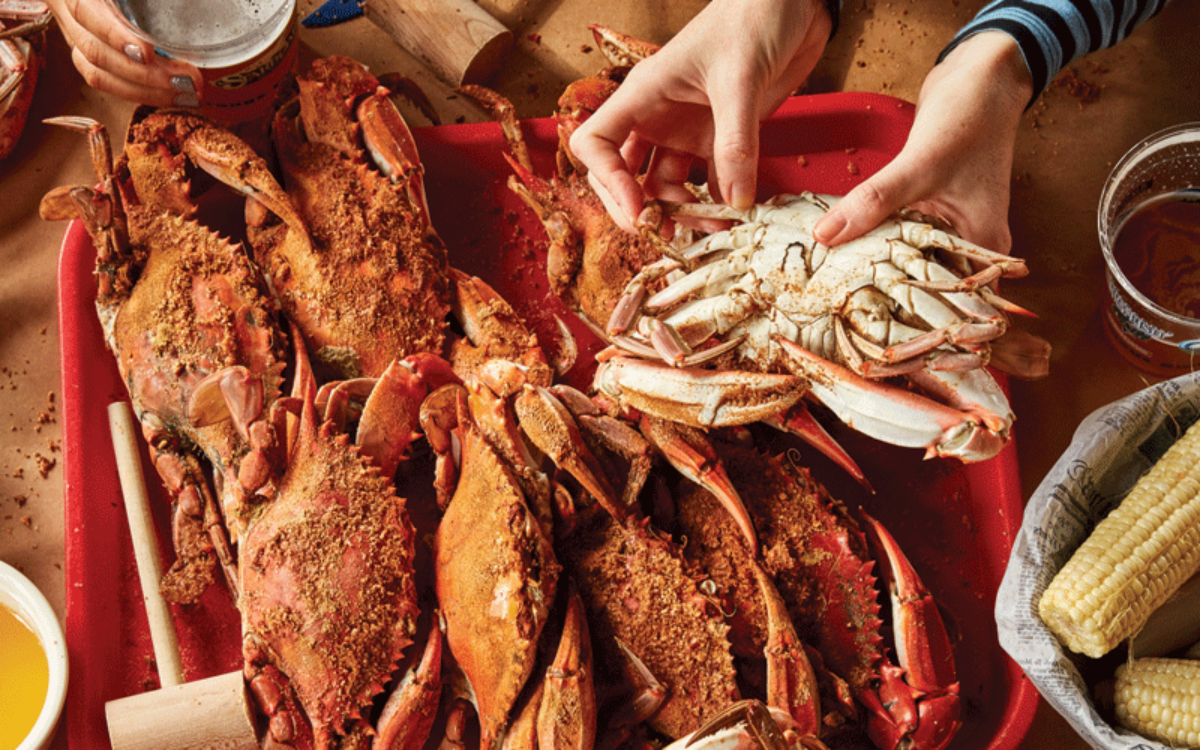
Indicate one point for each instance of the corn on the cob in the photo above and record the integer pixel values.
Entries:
(1160, 699)
(1134, 559)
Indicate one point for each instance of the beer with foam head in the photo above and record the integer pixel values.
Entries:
(244, 48)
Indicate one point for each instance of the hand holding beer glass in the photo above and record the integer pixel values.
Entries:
(227, 57)
(111, 58)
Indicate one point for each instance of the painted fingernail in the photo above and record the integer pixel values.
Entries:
(134, 52)
(187, 100)
(183, 83)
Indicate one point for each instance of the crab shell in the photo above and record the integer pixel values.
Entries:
(328, 598)
(371, 283)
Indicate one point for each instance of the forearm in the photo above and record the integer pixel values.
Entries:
(1053, 33)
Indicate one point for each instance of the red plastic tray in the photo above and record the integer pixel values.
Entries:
(956, 522)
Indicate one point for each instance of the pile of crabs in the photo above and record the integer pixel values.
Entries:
(430, 540)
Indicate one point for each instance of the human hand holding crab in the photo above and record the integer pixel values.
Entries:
(112, 59)
(957, 161)
(722, 84)
(955, 165)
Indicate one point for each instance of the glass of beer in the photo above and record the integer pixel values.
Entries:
(243, 48)
(1149, 224)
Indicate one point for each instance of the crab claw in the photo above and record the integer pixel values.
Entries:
(567, 715)
(894, 415)
(688, 450)
(918, 705)
(550, 426)
(408, 715)
(391, 145)
(791, 681)
(620, 48)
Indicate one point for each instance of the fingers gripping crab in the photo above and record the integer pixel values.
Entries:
(783, 314)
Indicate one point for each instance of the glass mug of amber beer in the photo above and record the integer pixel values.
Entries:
(1149, 223)
(243, 48)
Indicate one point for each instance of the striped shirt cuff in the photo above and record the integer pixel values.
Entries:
(1054, 33)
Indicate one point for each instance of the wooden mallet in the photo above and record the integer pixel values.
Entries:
(459, 41)
(212, 713)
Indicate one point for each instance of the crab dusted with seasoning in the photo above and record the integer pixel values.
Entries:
(329, 601)
(190, 320)
(370, 283)
(824, 562)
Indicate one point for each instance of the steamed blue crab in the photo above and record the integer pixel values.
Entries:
(757, 316)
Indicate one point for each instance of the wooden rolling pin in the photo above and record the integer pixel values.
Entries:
(210, 713)
(458, 40)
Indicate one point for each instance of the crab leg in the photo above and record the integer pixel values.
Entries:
(13, 61)
(918, 703)
(745, 725)
(36, 14)
(567, 715)
(688, 450)
(695, 397)
(893, 415)
(550, 426)
(408, 715)
(614, 435)
(799, 421)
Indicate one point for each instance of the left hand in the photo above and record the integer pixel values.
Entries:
(702, 96)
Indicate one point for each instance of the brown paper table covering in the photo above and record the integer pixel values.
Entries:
(1065, 149)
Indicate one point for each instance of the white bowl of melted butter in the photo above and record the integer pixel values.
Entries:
(33, 664)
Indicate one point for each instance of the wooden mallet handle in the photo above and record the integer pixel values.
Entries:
(213, 712)
(458, 40)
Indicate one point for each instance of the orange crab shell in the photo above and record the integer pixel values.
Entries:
(371, 285)
(328, 596)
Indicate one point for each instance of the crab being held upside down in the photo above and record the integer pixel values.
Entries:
(779, 314)
(791, 317)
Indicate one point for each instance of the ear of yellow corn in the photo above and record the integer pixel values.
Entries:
(1135, 558)
(1160, 699)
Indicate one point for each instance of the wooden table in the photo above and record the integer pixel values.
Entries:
(1066, 147)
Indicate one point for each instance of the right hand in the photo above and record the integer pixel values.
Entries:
(111, 58)
(957, 161)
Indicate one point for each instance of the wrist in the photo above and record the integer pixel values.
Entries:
(998, 58)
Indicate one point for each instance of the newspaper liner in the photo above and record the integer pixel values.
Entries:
(1112, 447)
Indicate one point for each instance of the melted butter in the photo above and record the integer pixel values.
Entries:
(24, 678)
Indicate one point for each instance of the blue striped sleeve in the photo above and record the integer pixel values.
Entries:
(1054, 33)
